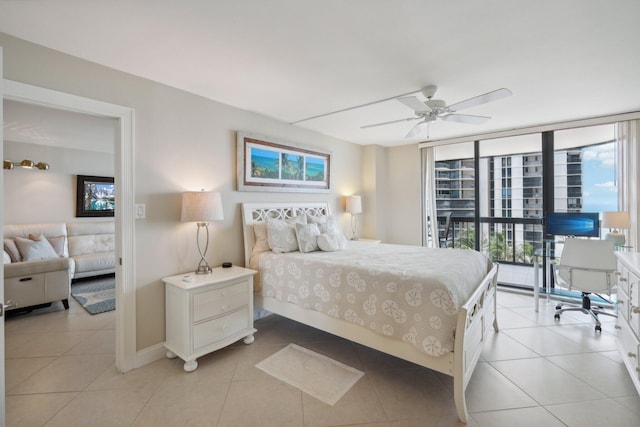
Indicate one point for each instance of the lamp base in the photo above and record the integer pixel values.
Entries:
(618, 238)
(203, 269)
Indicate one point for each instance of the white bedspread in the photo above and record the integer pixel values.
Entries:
(408, 292)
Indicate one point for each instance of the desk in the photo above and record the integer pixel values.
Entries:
(547, 254)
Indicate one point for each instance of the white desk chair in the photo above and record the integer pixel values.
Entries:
(587, 266)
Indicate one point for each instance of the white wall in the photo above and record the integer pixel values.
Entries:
(36, 196)
(402, 198)
(183, 142)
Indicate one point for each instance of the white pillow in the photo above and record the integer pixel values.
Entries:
(326, 224)
(35, 250)
(262, 242)
(330, 242)
(307, 235)
(6, 258)
(281, 233)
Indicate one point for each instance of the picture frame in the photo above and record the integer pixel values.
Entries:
(95, 196)
(269, 164)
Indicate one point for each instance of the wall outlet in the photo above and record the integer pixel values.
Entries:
(141, 211)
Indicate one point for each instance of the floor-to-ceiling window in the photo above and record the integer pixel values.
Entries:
(498, 190)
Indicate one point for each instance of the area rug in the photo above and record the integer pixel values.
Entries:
(97, 295)
(317, 375)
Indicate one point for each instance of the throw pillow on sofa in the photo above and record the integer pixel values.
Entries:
(32, 250)
(56, 242)
(11, 249)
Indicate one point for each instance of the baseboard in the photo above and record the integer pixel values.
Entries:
(149, 355)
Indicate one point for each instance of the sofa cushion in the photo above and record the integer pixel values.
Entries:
(91, 243)
(94, 262)
(32, 250)
(6, 259)
(91, 237)
(11, 248)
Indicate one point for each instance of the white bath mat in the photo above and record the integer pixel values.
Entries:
(317, 375)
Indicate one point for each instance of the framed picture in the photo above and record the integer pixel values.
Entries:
(266, 164)
(95, 196)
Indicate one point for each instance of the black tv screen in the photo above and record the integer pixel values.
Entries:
(581, 224)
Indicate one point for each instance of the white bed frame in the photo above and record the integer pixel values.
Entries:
(475, 317)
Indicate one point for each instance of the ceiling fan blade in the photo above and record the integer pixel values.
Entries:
(415, 104)
(481, 99)
(465, 118)
(390, 122)
(416, 130)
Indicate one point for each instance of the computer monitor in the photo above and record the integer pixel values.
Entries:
(579, 224)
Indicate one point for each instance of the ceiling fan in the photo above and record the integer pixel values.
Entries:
(433, 109)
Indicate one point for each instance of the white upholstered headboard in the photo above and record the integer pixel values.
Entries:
(253, 213)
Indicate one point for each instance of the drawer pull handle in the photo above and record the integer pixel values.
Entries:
(26, 279)
(617, 327)
(620, 301)
(631, 354)
(623, 279)
(635, 310)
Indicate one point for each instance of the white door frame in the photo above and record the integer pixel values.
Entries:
(125, 200)
(2, 363)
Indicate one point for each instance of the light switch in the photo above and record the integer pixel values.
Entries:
(141, 211)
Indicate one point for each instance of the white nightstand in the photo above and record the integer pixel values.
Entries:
(207, 312)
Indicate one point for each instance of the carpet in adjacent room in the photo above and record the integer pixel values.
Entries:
(96, 295)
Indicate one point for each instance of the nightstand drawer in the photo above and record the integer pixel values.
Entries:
(207, 333)
(219, 301)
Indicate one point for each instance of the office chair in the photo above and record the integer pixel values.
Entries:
(587, 266)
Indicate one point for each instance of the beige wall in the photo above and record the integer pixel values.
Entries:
(35, 196)
(183, 142)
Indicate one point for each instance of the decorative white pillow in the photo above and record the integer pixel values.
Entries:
(262, 241)
(6, 258)
(56, 242)
(11, 248)
(307, 235)
(35, 250)
(326, 224)
(331, 242)
(281, 233)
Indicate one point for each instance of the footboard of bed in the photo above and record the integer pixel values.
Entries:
(476, 316)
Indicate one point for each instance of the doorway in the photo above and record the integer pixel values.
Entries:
(124, 216)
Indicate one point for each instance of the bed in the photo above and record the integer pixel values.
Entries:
(381, 296)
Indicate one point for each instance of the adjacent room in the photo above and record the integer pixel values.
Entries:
(331, 213)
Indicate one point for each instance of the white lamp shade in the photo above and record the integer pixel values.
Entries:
(201, 206)
(615, 220)
(354, 205)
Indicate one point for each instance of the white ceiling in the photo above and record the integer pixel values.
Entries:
(295, 59)
(34, 124)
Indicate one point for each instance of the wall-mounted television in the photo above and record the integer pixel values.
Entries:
(579, 224)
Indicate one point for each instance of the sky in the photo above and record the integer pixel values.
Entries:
(599, 178)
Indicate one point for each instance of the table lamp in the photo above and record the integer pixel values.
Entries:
(202, 207)
(354, 207)
(615, 221)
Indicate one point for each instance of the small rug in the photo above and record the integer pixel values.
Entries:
(96, 296)
(317, 375)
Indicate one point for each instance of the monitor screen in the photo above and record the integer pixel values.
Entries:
(582, 224)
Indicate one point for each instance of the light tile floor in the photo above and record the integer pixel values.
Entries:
(60, 371)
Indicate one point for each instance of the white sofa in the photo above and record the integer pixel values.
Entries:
(82, 249)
